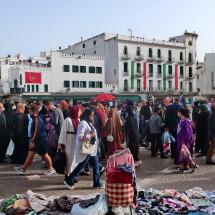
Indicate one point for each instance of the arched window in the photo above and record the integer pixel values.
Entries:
(125, 85)
(169, 55)
(190, 72)
(138, 51)
(190, 58)
(181, 55)
(190, 87)
(181, 85)
(15, 83)
(190, 43)
(20, 79)
(125, 51)
(46, 89)
(150, 52)
(159, 53)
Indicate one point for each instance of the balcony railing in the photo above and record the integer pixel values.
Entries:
(17, 90)
(159, 59)
(170, 76)
(151, 58)
(190, 76)
(126, 56)
(159, 75)
(181, 75)
(190, 62)
(170, 59)
(181, 61)
(139, 57)
(151, 74)
(125, 73)
(139, 74)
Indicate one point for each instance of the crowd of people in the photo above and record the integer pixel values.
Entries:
(46, 128)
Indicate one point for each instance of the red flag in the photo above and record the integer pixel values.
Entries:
(33, 77)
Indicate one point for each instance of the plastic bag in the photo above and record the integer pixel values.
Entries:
(167, 138)
(122, 210)
(185, 153)
(59, 162)
(10, 148)
(100, 208)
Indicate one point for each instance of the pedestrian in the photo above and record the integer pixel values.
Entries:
(85, 131)
(132, 135)
(57, 122)
(184, 142)
(155, 124)
(202, 130)
(19, 134)
(68, 137)
(211, 136)
(64, 108)
(38, 144)
(171, 124)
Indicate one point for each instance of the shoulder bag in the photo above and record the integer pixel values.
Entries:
(110, 136)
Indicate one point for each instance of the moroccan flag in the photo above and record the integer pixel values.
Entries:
(33, 77)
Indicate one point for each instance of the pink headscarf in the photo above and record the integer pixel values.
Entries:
(73, 114)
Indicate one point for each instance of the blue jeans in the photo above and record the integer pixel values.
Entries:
(80, 166)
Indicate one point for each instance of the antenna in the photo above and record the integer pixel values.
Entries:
(130, 31)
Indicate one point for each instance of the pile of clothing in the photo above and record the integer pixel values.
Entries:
(169, 201)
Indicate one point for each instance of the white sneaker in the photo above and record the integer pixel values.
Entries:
(69, 186)
(19, 169)
(50, 172)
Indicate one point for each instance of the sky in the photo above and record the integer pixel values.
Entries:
(29, 27)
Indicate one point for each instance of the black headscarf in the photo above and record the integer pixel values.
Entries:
(8, 109)
(86, 114)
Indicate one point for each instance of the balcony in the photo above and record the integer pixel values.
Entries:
(151, 58)
(190, 62)
(170, 60)
(159, 75)
(139, 74)
(139, 57)
(150, 74)
(159, 59)
(126, 56)
(17, 90)
(181, 61)
(170, 76)
(190, 76)
(125, 73)
(181, 76)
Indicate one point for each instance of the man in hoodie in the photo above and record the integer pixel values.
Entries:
(155, 124)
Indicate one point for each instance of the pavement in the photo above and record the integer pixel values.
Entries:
(154, 172)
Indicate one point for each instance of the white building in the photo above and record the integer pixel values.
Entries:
(139, 65)
(206, 76)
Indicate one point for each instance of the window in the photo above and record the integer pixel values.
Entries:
(46, 88)
(99, 70)
(37, 88)
(98, 84)
(170, 84)
(138, 51)
(32, 88)
(66, 68)
(159, 84)
(159, 69)
(94, 42)
(181, 55)
(190, 72)
(94, 52)
(125, 85)
(83, 84)
(181, 85)
(150, 52)
(114, 72)
(91, 69)
(170, 69)
(66, 84)
(169, 55)
(190, 43)
(20, 79)
(150, 85)
(125, 50)
(190, 87)
(181, 71)
(74, 68)
(15, 82)
(83, 69)
(83, 46)
(28, 88)
(150, 68)
(159, 53)
(138, 85)
(138, 68)
(190, 58)
(91, 84)
(125, 67)
(75, 84)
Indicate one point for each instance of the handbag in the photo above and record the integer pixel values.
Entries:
(86, 148)
(110, 136)
(59, 162)
(10, 148)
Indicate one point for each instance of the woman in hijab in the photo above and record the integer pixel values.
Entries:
(113, 127)
(68, 135)
(132, 135)
(85, 131)
(19, 130)
(64, 107)
(202, 130)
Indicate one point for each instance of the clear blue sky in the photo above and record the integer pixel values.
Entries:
(29, 27)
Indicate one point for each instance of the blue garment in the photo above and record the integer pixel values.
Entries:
(29, 125)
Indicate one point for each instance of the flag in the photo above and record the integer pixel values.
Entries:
(33, 77)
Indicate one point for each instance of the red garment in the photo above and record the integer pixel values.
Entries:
(64, 104)
(113, 146)
(73, 114)
(101, 115)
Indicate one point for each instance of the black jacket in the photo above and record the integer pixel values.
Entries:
(3, 125)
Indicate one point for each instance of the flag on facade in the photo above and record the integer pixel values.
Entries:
(33, 77)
